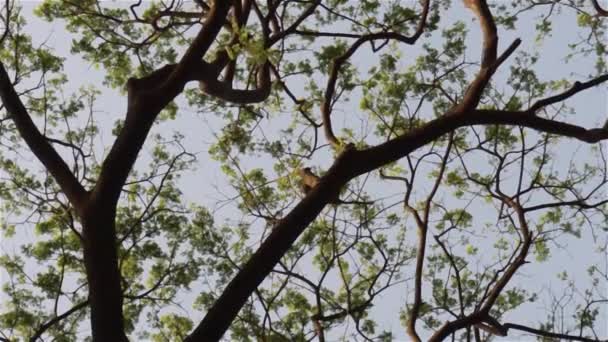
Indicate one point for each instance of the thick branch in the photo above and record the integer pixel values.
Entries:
(143, 108)
(488, 29)
(224, 90)
(216, 18)
(38, 144)
(392, 150)
(354, 163)
(147, 97)
(489, 62)
(351, 164)
(218, 318)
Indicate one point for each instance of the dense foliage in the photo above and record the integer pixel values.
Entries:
(470, 170)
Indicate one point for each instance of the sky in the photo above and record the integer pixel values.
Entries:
(590, 108)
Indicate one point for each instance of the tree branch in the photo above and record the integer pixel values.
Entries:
(600, 11)
(350, 164)
(488, 29)
(224, 90)
(225, 309)
(482, 314)
(339, 62)
(202, 42)
(423, 227)
(38, 144)
(147, 97)
(291, 29)
(544, 333)
(576, 88)
(44, 327)
(489, 63)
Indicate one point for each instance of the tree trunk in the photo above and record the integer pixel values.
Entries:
(103, 275)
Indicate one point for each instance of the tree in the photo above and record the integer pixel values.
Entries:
(461, 172)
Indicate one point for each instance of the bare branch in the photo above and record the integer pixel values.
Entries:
(44, 327)
(576, 88)
(544, 333)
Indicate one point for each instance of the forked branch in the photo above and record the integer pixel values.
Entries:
(339, 62)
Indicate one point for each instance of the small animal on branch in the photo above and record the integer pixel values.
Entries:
(308, 180)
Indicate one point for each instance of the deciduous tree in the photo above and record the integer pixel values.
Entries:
(467, 162)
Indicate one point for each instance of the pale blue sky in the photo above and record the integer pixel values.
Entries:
(206, 185)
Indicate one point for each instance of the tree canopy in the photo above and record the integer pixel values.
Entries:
(457, 177)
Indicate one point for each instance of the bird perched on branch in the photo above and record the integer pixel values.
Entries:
(308, 180)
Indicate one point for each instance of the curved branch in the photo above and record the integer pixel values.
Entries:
(488, 29)
(600, 11)
(489, 62)
(338, 62)
(224, 90)
(146, 98)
